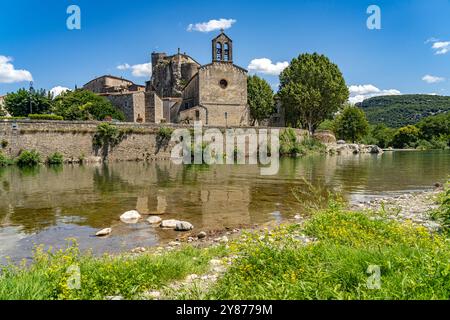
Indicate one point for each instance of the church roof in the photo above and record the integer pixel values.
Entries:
(223, 34)
(212, 63)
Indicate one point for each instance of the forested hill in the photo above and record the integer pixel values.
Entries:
(402, 110)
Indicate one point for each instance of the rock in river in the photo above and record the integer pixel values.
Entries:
(103, 233)
(169, 224)
(202, 235)
(130, 217)
(183, 226)
(154, 220)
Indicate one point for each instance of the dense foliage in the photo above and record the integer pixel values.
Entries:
(403, 110)
(413, 264)
(312, 89)
(260, 99)
(55, 159)
(24, 102)
(85, 105)
(351, 124)
(45, 117)
(291, 145)
(4, 160)
(28, 159)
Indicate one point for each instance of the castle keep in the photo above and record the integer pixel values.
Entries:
(183, 91)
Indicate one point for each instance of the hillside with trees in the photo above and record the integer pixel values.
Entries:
(403, 110)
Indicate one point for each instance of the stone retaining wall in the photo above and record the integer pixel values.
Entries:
(74, 140)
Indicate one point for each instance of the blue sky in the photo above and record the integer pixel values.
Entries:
(35, 42)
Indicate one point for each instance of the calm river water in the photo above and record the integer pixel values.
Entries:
(48, 205)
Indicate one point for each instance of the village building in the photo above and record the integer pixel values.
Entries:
(181, 90)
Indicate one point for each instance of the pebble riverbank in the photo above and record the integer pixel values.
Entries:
(415, 207)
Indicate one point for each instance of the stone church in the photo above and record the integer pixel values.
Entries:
(183, 91)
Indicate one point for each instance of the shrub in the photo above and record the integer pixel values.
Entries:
(53, 117)
(289, 144)
(5, 161)
(107, 135)
(164, 133)
(55, 159)
(279, 265)
(12, 118)
(28, 159)
(442, 214)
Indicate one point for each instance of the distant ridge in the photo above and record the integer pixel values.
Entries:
(402, 110)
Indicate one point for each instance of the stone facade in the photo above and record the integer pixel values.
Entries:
(2, 102)
(181, 90)
(132, 104)
(112, 84)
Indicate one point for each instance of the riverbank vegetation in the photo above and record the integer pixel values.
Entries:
(336, 254)
(428, 134)
(291, 145)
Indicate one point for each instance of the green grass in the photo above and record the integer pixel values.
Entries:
(442, 214)
(277, 264)
(53, 117)
(47, 277)
(291, 146)
(413, 263)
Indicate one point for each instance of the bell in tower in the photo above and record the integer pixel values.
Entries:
(222, 48)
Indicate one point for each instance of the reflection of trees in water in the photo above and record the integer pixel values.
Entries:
(107, 180)
(29, 171)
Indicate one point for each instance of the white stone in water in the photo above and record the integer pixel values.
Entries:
(169, 224)
(183, 226)
(154, 220)
(202, 235)
(103, 233)
(130, 217)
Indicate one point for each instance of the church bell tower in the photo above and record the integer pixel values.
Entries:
(222, 48)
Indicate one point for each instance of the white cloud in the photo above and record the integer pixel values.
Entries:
(432, 79)
(138, 70)
(56, 91)
(359, 93)
(8, 74)
(439, 47)
(265, 66)
(211, 25)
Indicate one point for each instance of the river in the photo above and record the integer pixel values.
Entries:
(48, 205)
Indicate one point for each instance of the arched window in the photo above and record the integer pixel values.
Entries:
(226, 50)
(219, 51)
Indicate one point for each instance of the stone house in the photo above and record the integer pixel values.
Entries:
(181, 90)
(2, 106)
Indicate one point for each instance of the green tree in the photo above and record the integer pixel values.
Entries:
(381, 135)
(260, 98)
(312, 89)
(351, 124)
(435, 126)
(18, 103)
(406, 137)
(85, 105)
